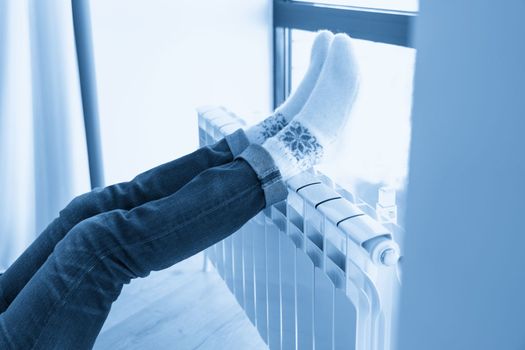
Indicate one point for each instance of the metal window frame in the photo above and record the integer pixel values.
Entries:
(88, 89)
(385, 26)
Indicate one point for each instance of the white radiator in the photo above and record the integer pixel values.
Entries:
(313, 272)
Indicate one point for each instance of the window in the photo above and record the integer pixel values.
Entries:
(398, 5)
(372, 162)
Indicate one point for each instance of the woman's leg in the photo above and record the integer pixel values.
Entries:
(160, 181)
(65, 303)
(153, 184)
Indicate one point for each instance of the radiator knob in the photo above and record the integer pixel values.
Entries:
(385, 252)
(389, 257)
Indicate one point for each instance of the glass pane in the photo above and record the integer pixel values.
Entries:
(397, 5)
(148, 90)
(374, 149)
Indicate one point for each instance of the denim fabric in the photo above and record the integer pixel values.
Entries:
(105, 238)
(3, 302)
(261, 161)
(153, 184)
(237, 142)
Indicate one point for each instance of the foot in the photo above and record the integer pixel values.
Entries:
(304, 141)
(285, 113)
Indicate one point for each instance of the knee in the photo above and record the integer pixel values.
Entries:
(87, 252)
(81, 207)
(89, 235)
(97, 241)
(84, 246)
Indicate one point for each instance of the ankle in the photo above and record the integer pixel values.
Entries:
(294, 150)
(269, 127)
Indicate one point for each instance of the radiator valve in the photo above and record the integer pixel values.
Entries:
(386, 252)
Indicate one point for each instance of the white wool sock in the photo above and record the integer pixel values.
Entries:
(303, 142)
(285, 112)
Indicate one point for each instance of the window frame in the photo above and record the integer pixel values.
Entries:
(384, 26)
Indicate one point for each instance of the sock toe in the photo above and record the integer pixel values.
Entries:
(321, 46)
(326, 111)
(319, 52)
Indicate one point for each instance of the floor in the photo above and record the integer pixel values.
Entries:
(178, 308)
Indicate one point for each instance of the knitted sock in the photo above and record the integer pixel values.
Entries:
(284, 113)
(303, 142)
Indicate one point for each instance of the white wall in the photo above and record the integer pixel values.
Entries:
(464, 273)
(157, 60)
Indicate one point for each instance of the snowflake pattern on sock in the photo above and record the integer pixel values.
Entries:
(272, 125)
(301, 143)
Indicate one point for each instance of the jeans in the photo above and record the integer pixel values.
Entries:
(58, 293)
